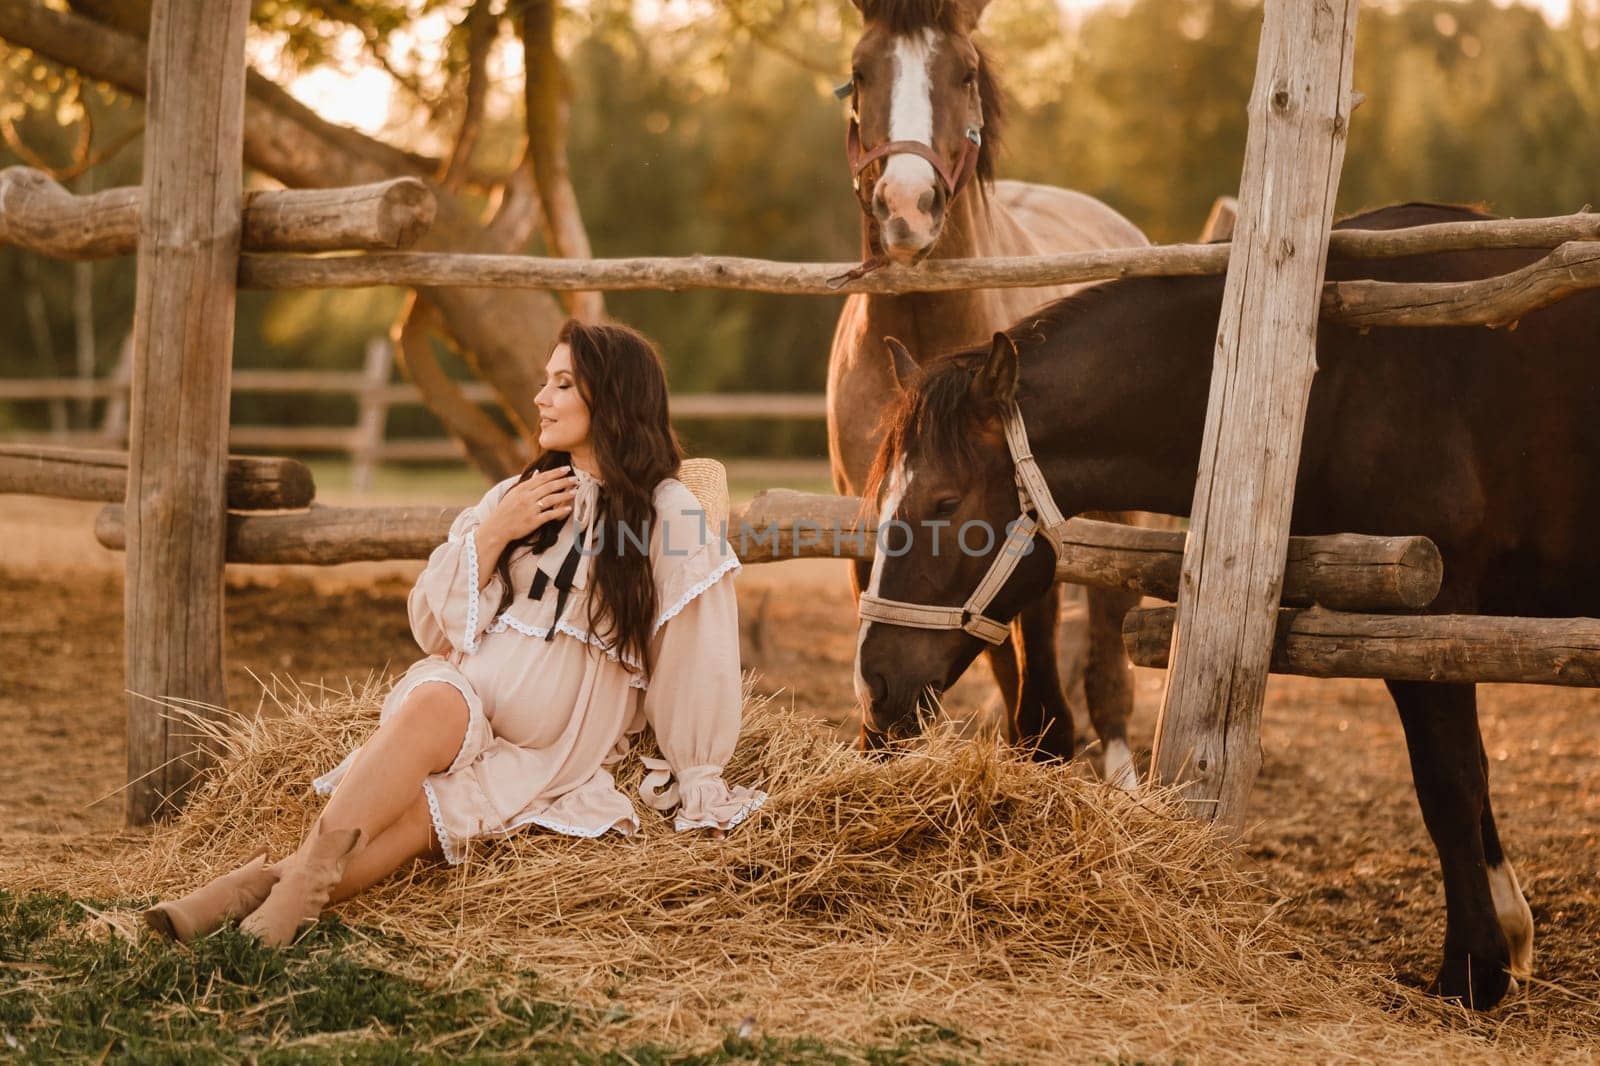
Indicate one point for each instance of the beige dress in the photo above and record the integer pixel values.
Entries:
(550, 713)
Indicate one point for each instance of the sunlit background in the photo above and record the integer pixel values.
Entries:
(710, 127)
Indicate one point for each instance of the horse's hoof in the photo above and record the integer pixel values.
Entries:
(1473, 980)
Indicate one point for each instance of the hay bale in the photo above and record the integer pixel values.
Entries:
(1037, 912)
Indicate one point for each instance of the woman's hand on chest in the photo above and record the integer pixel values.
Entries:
(527, 506)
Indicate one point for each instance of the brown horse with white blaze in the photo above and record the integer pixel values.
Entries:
(926, 120)
(1485, 441)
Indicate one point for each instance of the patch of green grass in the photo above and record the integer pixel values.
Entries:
(72, 993)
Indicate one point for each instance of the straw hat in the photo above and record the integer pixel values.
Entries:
(708, 480)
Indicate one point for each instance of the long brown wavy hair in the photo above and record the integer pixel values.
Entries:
(621, 378)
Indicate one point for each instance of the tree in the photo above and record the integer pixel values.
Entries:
(501, 333)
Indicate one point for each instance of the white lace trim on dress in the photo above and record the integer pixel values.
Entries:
(508, 621)
(452, 854)
(682, 824)
(558, 827)
(470, 643)
(728, 565)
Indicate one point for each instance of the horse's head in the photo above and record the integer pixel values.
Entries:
(925, 116)
(955, 559)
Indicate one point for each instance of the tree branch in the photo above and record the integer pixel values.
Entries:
(483, 26)
(490, 447)
(283, 137)
(502, 333)
(545, 91)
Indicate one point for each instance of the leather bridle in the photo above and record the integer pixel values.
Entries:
(954, 180)
(860, 158)
(1039, 512)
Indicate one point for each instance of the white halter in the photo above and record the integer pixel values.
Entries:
(1033, 493)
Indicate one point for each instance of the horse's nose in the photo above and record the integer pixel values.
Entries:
(880, 206)
(877, 687)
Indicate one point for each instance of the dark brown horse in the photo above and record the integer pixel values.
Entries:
(928, 117)
(1486, 441)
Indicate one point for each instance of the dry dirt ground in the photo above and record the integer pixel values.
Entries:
(1337, 830)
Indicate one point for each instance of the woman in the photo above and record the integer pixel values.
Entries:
(575, 604)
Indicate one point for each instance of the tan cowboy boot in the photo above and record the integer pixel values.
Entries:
(233, 895)
(305, 880)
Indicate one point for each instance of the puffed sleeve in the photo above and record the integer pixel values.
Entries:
(446, 608)
(693, 701)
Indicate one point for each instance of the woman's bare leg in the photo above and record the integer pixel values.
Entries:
(373, 808)
(422, 737)
(408, 837)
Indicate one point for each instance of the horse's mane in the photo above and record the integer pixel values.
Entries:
(935, 414)
(904, 17)
(913, 16)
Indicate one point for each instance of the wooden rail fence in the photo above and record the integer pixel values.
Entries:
(177, 527)
(366, 442)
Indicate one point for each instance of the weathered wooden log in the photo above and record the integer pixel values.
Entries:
(1367, 573)
(1208, 730)
(675, 274)
(1497, 301)
(255, 483)
(382, 216)
(1314, 642)
(1348, 571)
(38, 214)
(183, 316)
(785, 524)
(322, 536)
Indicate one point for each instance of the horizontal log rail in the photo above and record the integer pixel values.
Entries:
(1347, 570)
(38, 214)
(1498, 301)
(254, 483)
(1445, 648)
(1380, 573)
(761, 275)
(321, 536)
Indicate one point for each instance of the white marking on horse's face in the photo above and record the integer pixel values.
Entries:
(1516, 918)
(908, 178)
(1120, 771)
(899, 482)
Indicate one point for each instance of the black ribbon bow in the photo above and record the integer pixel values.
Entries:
(564, 575)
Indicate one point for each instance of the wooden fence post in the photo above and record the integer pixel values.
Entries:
(188, 261)
(1208, 734)
(372, 413)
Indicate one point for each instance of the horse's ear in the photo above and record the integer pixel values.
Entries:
(901, 364)
(973, 10)
(996, 379)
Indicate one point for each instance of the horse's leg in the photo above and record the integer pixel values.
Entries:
(1447, 765)
(1072, 641)
(1008, 678)
(1510, 905)
(1108, 682)
(1043, 720)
